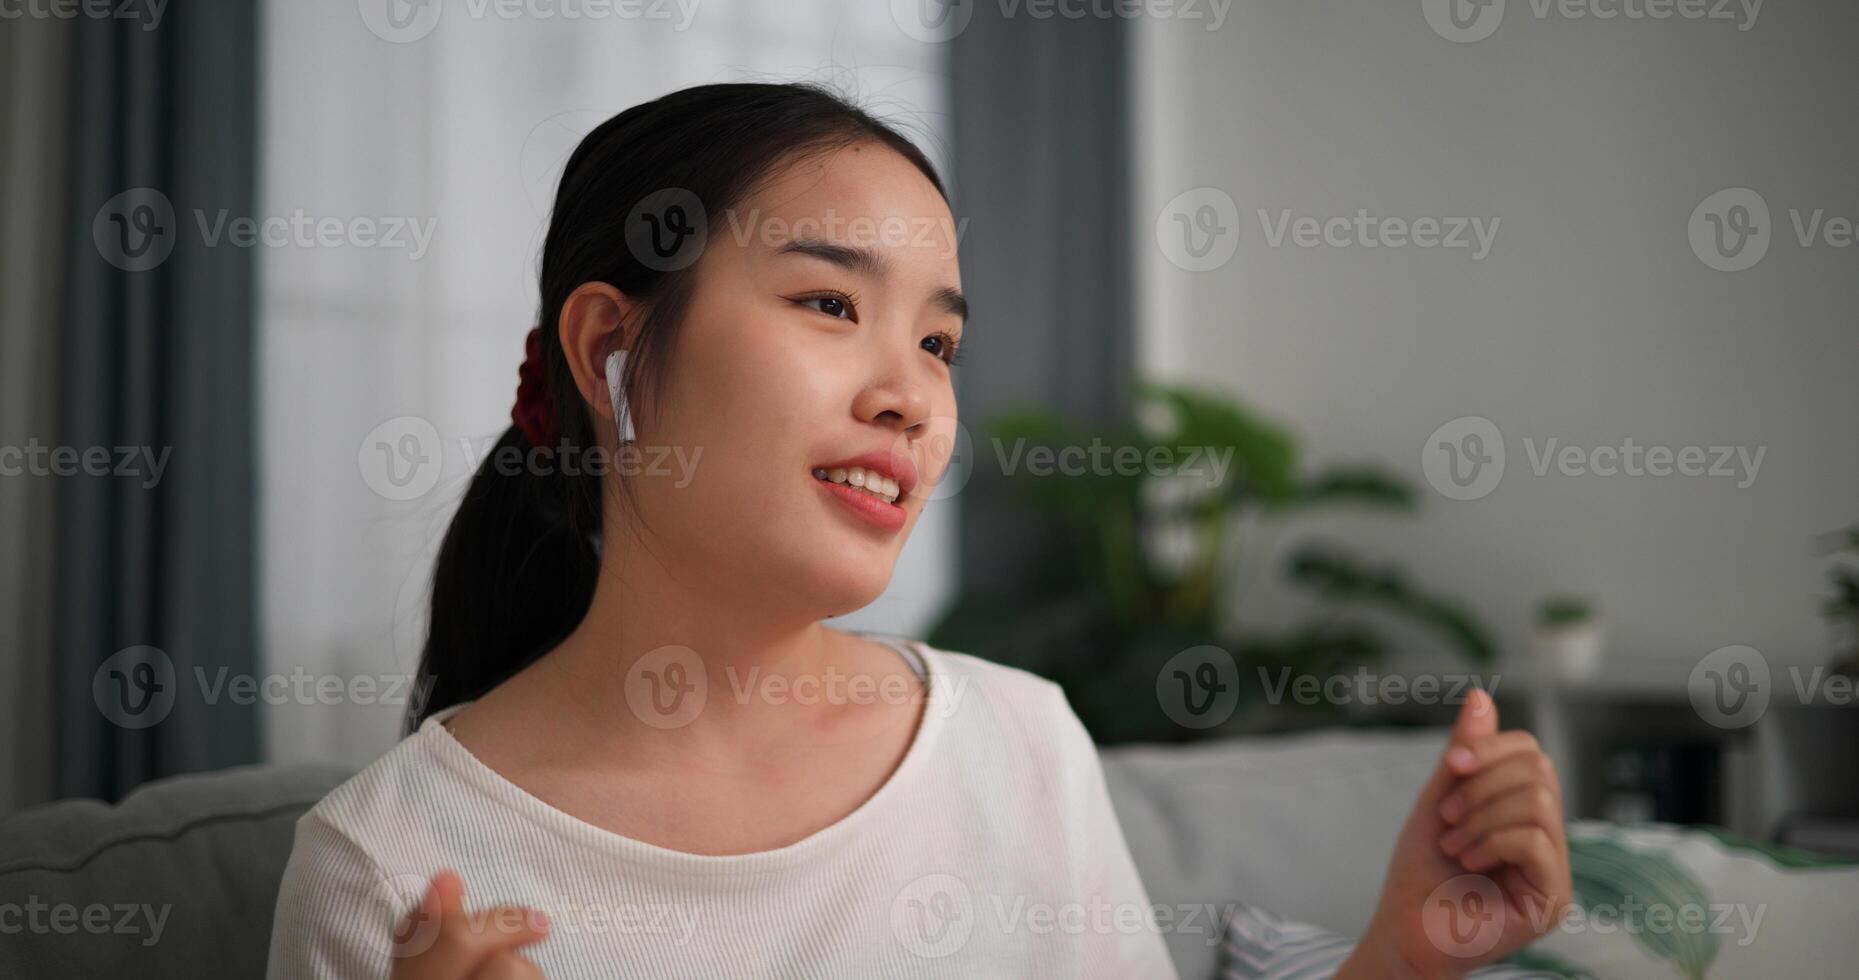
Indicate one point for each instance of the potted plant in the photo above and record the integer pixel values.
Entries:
(1842, 607)
(1158, 564)
(1569, 640)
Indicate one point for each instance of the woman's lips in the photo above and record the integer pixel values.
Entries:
(884, 516)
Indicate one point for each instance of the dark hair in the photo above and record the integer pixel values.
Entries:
(517, 568)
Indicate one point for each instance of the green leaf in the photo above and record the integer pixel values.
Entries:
(1265, 456)
(1336, 575)
(1541, 962)
(1610, 878)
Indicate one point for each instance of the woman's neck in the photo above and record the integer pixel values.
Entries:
(631, 670)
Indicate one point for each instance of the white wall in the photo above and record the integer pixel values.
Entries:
(1590, 321)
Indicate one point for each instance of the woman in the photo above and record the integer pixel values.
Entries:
(642, 749)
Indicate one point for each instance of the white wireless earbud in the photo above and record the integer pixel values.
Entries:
(616, 391)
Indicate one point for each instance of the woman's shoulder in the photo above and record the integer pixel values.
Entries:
(408, 779)
(1010, 700)
(965, 672)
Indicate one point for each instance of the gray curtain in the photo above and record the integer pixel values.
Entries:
(1042, 170)
(157, 357)
(35, 66)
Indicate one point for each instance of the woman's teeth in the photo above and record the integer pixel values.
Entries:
(882, 487)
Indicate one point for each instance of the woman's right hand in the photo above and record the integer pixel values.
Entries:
(441, 941)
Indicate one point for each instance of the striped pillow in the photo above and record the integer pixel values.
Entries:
(1262, 946)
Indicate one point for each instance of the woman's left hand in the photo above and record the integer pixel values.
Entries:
(1481, 868)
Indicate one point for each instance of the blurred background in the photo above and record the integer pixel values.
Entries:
(1496, 344)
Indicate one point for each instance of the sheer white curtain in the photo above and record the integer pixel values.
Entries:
(459, 134)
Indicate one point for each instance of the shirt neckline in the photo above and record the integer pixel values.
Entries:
(919, 655)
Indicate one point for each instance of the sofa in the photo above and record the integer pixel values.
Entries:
(1300, 825)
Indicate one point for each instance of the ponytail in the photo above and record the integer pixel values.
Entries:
(517, 567)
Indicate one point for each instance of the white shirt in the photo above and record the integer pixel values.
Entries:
(991, 851)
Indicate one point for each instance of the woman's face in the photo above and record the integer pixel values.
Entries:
(825, 310)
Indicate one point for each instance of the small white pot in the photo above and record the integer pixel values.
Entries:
(1571, 653)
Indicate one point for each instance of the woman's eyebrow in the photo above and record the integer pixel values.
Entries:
(952, 302)
(863, 261)
(852, 258)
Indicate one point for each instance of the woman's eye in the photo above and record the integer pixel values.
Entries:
(838, 307)
(944, 346)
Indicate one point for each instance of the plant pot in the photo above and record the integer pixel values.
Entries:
(1572, 652)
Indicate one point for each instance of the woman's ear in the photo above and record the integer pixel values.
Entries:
(596, 320)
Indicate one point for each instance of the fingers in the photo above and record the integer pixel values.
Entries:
(1477, 720)
(441, 939)
(506, 965)
(1517, 772)
(1531, 804)
(1478, 717)
(1527, 847)
(1504, 816)
(1469, 756)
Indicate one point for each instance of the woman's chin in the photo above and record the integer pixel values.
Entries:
(840, 589)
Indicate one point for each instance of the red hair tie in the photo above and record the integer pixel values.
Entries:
(534, 413)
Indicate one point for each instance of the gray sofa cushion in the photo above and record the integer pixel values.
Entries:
(1299, 824)
(178, 880)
